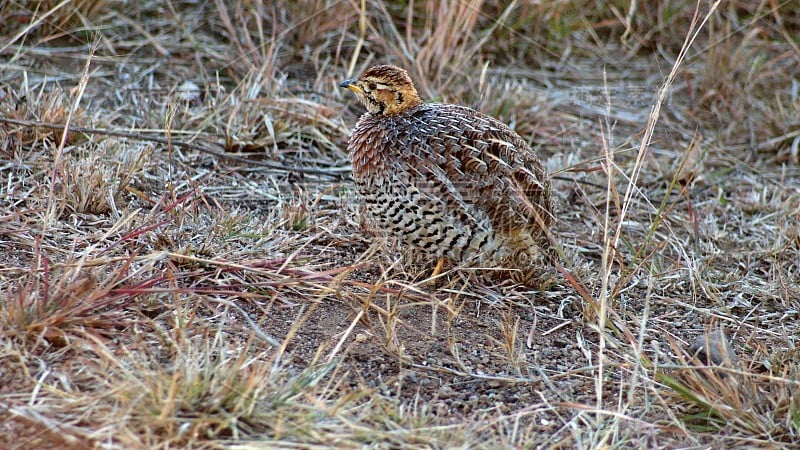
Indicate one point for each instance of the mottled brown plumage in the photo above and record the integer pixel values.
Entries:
(445, 179)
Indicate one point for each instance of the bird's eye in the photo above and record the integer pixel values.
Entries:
(373, 86)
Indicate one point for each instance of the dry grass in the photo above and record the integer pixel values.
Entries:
(184, 265)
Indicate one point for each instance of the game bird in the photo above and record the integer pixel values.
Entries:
(446, 180)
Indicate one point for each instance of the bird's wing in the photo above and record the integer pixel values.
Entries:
(485, 166)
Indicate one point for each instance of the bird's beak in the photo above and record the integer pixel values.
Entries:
(350, 84)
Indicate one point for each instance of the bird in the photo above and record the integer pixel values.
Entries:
(448, 181)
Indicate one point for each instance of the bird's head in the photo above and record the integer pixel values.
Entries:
(384, 90)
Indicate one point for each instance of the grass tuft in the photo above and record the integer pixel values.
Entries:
(757, 404)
